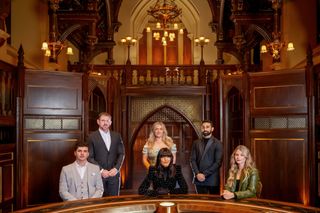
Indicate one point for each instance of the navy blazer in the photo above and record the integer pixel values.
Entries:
(206, 160)
(99, 154)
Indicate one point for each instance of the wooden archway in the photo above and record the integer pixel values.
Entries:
(137, 171)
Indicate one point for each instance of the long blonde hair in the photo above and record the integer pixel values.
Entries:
(165, 138)
(248, 165)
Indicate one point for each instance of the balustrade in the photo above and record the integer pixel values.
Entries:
(157, 75)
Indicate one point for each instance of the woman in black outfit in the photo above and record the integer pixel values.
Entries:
(164, 178)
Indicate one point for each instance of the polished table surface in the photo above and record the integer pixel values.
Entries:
(182, 203)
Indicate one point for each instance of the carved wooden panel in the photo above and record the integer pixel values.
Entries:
(278, 93)
(47, 154)
(52, 124)
(53, 93)
(282, 96)
(7, 175)
(282, 163)
(279, 133)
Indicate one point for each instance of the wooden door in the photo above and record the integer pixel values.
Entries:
(235, 122)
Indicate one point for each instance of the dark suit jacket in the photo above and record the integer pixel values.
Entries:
(206, 160)
(99, 153)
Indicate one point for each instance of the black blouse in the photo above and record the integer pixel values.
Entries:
(162, 185)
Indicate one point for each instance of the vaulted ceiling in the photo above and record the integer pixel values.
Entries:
(240, 25)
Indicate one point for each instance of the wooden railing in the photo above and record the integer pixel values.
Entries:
(155, 75)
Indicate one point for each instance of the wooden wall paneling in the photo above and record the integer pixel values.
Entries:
(187, 57)
(157, 52)
(8, 92)
(143, 48)
(53, 92)
(310, 73)
(278, 93)
(281, 158)
(7, 177)
(52, 123)
(279, 134)
(314, 73)
(172, 50)
(47, 154)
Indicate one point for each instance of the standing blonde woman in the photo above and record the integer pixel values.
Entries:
(243, 177)
(158, 139)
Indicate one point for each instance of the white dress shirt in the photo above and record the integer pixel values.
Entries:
(106, 138)
(81, 169)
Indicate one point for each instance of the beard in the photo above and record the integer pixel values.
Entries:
(206, 134)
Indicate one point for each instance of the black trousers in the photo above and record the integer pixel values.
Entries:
(111, 186)
(208, 189)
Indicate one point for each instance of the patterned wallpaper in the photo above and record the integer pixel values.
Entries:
(190, 107)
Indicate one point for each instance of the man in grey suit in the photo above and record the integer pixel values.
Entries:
(81, 179)
(206, 158)
(107, 150)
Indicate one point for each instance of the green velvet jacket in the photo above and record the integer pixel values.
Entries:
(248, 186)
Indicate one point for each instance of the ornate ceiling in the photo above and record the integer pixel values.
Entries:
(90, 25)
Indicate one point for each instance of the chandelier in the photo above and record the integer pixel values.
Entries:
(54, 46)
(274, 47)
(165, 13)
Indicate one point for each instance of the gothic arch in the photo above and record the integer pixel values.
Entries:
(133, 153)
(135, 133)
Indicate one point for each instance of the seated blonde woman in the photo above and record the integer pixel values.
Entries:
(243, 177)
(158, 139)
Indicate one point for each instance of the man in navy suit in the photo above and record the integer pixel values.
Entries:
(206, 158)
(107, 150)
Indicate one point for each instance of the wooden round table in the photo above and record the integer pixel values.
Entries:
(171, 204)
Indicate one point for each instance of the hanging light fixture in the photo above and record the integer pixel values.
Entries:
(274, 47)
(165, 13)
(54, 46)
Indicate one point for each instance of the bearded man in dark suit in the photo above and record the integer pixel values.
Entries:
(107, 150)
(206, 158)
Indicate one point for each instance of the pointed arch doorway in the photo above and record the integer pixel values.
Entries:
(235, 126)
(179, 128)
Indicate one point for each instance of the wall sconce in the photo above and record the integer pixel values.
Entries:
(201, 41)
(274, 49)
(128, 41)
